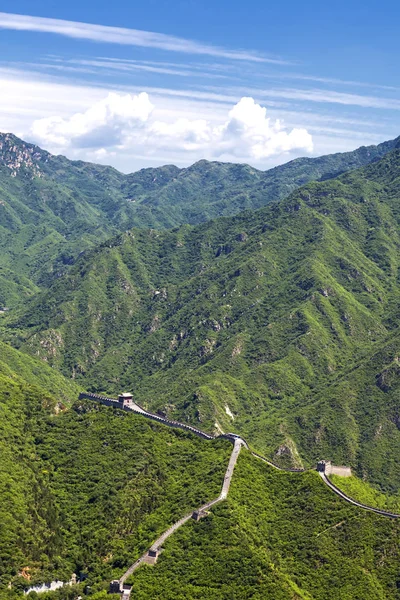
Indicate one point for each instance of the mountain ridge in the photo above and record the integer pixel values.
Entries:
(51, 208)
(280, 324)
(260, 318)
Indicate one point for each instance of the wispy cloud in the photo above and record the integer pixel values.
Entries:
(334, 81)
(124, 36)
(191, 123)
(324, 96)
(223, 67)
(327, 80)
(132, 65)
(321, 96)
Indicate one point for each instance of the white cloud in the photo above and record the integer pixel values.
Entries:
(186, 133)
(30, 96)
(104, 124)
(250, 131)
(124, 36)
(123, 122)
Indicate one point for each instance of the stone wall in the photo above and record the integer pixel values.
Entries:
(139, 410)
(325, 466)
(341, 471)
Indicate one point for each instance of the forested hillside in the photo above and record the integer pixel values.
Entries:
(199, 359)
(51, 208)
(27, 370)
(281, 324)
(278, 536)
(86, 490)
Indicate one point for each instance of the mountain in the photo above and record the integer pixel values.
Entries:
(208, 190)
(85, 490)
(281, 323)
(278, 536)
(52, 209)
(27, 370)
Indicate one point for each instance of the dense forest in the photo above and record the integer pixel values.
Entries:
(52, 209)
(281, 536)
(258, 322)
(85, 490)
(278, 322)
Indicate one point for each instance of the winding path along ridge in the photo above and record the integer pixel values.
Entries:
(233, 437)
(224, 492)
(238, 443)
(339, 492)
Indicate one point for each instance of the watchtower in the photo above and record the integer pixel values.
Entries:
(324, 466)
(126, 399)
(199, 514)
(152, 556)
(115, 587)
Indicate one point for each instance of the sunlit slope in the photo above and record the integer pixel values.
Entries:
(86, 490)
(278, 536)
(24, 369)
(52, 209)
(265, 323)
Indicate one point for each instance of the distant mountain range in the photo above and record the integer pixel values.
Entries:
(281, 322)
(51, 208)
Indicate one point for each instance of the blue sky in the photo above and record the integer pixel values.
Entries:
(141, 84)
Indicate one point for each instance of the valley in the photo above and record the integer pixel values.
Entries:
(52, 209)
(271, 312)
(260, 315)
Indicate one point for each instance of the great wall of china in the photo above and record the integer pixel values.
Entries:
(324, 468)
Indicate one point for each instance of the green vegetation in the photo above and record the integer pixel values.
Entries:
(281, 324)
(280, 537)
(26, 370)
(87, 490)
(52, 209)
(366, 494)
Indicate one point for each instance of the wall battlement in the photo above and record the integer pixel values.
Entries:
(134, 407)
(325, 466)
